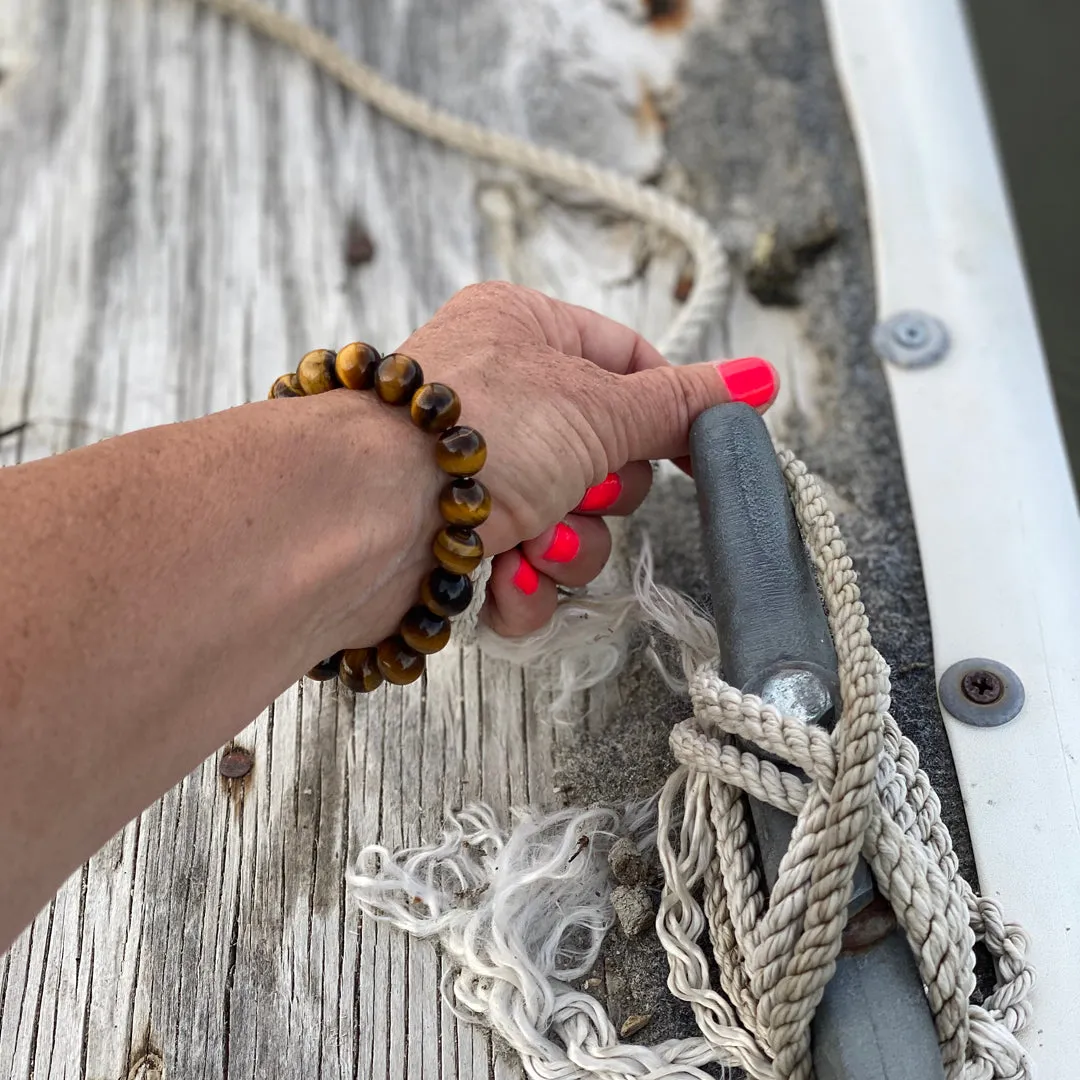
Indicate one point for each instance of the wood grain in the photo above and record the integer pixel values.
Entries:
(175, 205)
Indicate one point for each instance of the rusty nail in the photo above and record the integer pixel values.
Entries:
(982, 687)
(684, 286)
(235, 763)
(666, 14)
(582, 844)
(359, 247)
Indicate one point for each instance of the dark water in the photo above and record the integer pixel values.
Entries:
(1031, 67)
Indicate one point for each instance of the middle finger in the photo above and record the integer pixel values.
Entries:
(620, 493)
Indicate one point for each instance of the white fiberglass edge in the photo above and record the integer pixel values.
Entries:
(997, 521)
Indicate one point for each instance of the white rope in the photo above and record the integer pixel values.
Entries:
(707, 297)
(866, 795)
(522, 912)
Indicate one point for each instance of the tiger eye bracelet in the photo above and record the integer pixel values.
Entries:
(464, 504)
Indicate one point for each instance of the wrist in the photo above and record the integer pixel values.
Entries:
(460, 451)
(377, 488)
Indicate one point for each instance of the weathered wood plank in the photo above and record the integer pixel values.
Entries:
(176, 196)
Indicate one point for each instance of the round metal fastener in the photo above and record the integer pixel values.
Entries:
(911, 339)
(981, 692)
(982, 687)
(235, 763)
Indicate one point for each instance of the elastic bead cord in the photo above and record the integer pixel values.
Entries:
(464, 504)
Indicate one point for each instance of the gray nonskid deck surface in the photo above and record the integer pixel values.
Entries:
(177, 196)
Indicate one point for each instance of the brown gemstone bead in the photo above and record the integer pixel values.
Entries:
(435, 407)
(425, 631)
(316, 372)
(458, 550)
(446, 593)
(461, 451)
(397, 378)
(286, 386)
(359, 670)
(465, 502)
(399, 663)
(355, 366)
(325, 669)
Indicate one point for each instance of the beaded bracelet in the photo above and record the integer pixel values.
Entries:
(464, 504)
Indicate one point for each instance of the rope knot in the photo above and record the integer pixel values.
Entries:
(855, 792)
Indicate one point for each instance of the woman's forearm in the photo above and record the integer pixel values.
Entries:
(157, 590)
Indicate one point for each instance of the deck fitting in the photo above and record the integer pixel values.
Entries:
(911, 339)
(981, 692)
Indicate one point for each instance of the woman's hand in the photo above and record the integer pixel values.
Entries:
(573, 407)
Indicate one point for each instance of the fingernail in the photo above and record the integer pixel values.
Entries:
(525, 577)
(750, 380)
(565, 544)
(602, 496)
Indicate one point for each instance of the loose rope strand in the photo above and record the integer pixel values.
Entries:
(707, 297)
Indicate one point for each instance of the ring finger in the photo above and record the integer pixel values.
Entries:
(571, 552)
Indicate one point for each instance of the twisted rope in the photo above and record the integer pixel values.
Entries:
(521, 912)
(485, 893)
(865, 795)
(707, 297)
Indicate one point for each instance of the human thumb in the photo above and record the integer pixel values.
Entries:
(655, 407)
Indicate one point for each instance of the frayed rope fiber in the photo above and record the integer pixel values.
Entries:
(521, 911)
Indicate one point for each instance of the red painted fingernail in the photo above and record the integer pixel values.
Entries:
(750, 380)
(525, 577)
(565, 544)
(602, 496)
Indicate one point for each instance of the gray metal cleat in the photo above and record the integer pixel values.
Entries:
(874, 1022)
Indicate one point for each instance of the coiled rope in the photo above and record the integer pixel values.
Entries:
(521, 913)
(866, 795)
(522, 919)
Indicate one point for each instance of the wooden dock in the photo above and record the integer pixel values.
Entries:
(184, 210)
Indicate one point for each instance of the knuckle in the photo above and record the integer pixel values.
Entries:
(496, 311)
(597, 396)
(666, 404)
(689, 397)
(482, 293)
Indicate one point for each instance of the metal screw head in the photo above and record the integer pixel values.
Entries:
(981, 692)
(909, 332)
(982, 687)
(235, 763)
(911, 339)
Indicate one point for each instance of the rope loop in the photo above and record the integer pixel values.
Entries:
(864, 794)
